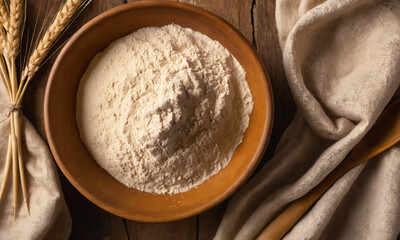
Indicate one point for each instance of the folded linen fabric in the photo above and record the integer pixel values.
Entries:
(342, 61)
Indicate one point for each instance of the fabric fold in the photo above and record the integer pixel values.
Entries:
(342, 59)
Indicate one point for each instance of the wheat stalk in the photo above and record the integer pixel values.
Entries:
(14, 164)
(12, 50)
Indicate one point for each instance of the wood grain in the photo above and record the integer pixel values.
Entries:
(256, 20)
(89, 221)
(184, 229)
(267, 44)
(236, 12)
(209, 221)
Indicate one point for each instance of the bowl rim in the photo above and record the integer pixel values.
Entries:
(268, 125)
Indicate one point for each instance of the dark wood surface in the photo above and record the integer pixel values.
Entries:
(256, 20)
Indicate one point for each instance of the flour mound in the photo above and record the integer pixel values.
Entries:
(163, 109)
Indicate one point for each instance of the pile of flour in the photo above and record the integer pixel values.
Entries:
(163, 109)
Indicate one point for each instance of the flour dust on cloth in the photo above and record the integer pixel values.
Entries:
(342, 61)
(49, 216)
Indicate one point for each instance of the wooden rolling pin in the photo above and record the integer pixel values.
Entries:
(384, 134)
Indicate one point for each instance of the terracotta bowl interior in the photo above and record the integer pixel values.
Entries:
(78, 165)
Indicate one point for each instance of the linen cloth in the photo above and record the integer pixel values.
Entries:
(342, 61)
(49, 216)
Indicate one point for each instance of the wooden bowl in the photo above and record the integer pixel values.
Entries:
(79, 166)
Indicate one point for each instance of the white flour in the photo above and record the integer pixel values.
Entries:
(163, 109)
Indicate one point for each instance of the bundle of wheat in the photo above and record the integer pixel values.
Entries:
(11, 28)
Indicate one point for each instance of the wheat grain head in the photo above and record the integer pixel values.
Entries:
(4, 13)
(13, 30)
(62, 18)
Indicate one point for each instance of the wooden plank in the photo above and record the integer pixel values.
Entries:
(34, 96)
(89, 221)
(236, 12)
(185, 229)
(267, 44)
(210, 220)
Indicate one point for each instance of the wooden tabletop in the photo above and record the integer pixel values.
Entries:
(255, 19)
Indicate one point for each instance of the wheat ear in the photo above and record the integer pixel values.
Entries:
(3, 49)
(14, 25)
(65, 14)
(4, 13)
